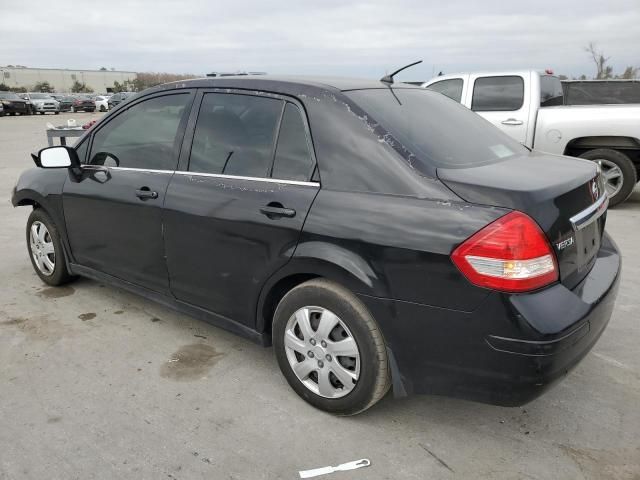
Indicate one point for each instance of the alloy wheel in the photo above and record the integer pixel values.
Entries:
(322, 352)
(613, 178)
(42, 248)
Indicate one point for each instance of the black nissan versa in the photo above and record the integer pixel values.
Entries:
(377, 234)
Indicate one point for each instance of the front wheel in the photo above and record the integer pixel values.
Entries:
(618, 172)
(330, 348)
(45, 249)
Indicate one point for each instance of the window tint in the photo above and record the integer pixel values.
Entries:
(235, 135)
(550, 91)
(144, 136)
(593, 92)
(449, 88)
(293, 159)
(492, 94)
(430, 127)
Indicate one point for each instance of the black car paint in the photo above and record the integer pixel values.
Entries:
(13, 106)
(374, 226)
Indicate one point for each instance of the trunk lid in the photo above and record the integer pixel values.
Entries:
(564, 195)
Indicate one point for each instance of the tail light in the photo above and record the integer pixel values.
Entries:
(511, 254)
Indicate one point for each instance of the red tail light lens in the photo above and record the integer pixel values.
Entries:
(511, 254)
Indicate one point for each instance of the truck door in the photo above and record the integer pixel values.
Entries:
(501, 100)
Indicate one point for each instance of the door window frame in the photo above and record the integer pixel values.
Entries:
(185, 153)
(180, 134)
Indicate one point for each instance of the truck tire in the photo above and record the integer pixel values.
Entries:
(618, 171)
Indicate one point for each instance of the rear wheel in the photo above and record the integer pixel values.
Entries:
(102, 108)
(45, 249)
(330, 348)
(618, 172)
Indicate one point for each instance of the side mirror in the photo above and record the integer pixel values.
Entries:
(57, 157)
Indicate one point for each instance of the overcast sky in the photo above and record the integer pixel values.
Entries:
(328, 37)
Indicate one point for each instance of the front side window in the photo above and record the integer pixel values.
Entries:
(144, 136)
(235, 135)
(293, 160)
(498, 94)
(451, 88)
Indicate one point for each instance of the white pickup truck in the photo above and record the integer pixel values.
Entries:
(528, 106)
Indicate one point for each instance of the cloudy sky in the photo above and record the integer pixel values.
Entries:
(332, 37)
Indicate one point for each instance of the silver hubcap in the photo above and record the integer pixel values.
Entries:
(322, 352)
(42, 250)
(612, 176)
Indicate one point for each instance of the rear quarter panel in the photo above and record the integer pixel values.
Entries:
(557, 126)
(394, 247)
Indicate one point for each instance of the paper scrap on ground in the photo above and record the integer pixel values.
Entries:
(364, 462)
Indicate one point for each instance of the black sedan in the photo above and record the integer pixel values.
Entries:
(12, 104)
(379, 235)
(66, 103)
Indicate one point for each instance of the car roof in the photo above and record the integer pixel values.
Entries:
(254, 81)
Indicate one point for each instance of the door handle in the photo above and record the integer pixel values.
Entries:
(276, 209)
(512, 121)
(145, 193)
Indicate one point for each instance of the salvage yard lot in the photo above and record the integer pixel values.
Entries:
(98, 383)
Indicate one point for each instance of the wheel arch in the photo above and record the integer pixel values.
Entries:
(582, 144)
(315, 260)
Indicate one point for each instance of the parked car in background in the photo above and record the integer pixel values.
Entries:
(102, 103)
(66, 102)
(1, 110)
(377, 234)
(118, 98)
(601, 92)
(13, 104)
(529, 106)
(83, 104)
(43, 103)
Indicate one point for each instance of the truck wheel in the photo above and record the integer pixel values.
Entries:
(618, 171)
(330, 349)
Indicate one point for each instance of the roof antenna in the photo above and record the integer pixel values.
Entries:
(389, 78)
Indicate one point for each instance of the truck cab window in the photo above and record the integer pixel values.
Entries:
(498, 94)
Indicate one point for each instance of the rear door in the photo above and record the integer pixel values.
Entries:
(501, 100)
(114, 214)
(234, 211)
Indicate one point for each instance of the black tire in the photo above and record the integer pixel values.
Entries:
(374, 379)
(60, 274)
(102, 108)
(624, 163)
(57, 113)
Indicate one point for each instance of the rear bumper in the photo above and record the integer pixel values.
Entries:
(510, 349)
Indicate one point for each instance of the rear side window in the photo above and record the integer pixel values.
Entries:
(449, 88)
(293, 159)
(550, 91)
(235, 135)
(144, 136)
(497, 94)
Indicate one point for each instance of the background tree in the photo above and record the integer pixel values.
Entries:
(44, 87)
(4, 87)
(103, 69)
(603, 71)
(78, 87)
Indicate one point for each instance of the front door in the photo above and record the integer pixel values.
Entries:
(113, 211)
(234, 214)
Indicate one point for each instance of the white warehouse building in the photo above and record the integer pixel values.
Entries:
(100, 81)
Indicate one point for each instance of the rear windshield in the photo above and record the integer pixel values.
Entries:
(9, 96)
(437, 130)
